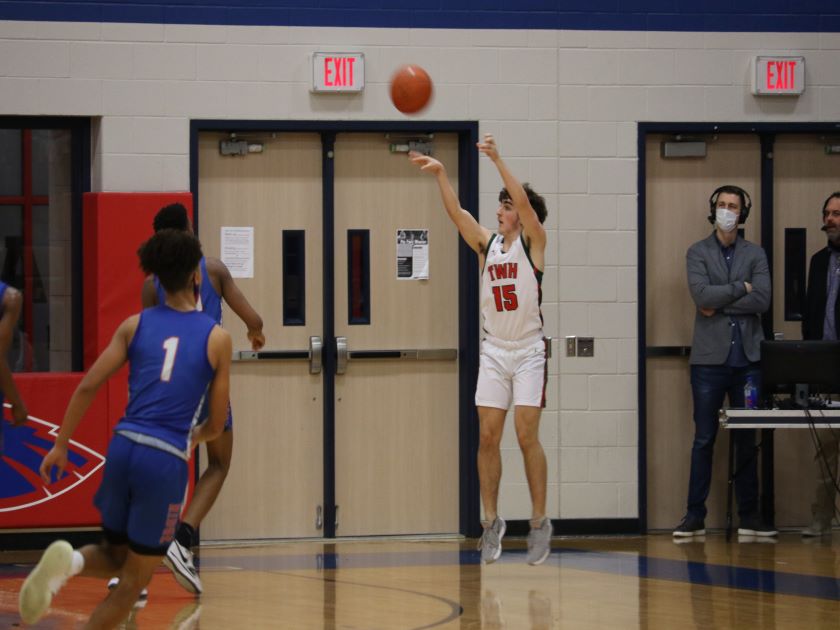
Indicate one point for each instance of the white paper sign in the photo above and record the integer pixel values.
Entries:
(412, 254)
(238, 251)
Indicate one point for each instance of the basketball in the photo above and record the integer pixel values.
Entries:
(411, 89)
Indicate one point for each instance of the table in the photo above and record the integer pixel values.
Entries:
(767, 420)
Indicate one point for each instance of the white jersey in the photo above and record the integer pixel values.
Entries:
(511, 292)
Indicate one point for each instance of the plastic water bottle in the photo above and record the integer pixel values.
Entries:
(750, 394)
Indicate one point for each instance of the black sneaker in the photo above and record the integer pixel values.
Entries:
(690, 526)
(753, 526)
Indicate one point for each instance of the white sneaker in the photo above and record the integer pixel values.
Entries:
(45, 580)
(179, 560)
(490, 542)
(539, 542)
(142, 599)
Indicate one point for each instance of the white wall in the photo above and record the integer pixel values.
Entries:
(563, 105)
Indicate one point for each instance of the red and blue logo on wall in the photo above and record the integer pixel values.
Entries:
(21, 451)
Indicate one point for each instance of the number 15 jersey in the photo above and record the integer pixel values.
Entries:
(511, 292)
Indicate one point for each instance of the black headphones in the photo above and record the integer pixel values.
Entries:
(746, 202)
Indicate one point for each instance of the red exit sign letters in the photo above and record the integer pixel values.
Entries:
(338, 72)
(778, 75)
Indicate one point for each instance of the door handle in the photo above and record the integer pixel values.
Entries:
(313, 354)
(343, 355)
(316, 348)
(340, 355)
(415, 354)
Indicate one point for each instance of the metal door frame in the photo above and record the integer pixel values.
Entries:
(468, 327)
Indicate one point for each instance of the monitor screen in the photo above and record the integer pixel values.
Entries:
(811, 364)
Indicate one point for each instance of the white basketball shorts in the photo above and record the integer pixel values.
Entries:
(512, 370)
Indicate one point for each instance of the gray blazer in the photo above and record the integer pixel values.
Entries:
(713, 285)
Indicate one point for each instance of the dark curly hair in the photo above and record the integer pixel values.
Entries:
(537, 201)
(171, 255)
(173, 216)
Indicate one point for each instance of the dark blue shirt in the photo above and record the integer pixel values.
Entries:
(736, 357)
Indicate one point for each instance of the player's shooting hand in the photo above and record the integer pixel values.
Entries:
(19, 414)
(56, 457)
(256, 338)
(488, 147)
(426, 162)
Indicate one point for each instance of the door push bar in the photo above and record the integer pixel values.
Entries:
(343, 355)
(314, 354)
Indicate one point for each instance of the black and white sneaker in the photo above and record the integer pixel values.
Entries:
(690, 527)
(142, 599)
(179, 560)
(753, 526)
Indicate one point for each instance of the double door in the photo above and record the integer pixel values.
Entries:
(801, 175)
(347, 421)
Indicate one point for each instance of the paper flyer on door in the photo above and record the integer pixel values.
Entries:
(238, 251)
(413, 254)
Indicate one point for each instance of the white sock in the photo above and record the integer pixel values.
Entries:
(77, 564)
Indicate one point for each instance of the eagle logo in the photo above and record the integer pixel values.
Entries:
(21, 451)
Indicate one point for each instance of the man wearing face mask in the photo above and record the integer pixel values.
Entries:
(820, 321)
(729, 281)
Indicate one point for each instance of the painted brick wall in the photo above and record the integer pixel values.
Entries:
(564, 105)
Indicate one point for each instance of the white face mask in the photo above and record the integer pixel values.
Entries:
(726, 219)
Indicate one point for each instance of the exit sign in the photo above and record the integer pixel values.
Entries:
(338, 72)
(778, 75)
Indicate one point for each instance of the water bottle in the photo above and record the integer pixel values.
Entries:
(750, 394)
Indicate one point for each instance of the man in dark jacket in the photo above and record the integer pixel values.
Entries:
(820, 321)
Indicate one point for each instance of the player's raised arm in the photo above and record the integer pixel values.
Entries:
(531, 226)
(474, 234)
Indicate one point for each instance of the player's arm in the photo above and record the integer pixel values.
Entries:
(149, 295)
(12, 303)
(111, 360)
(531, 227)
(475, 235)
(219, 351)
(238, 302)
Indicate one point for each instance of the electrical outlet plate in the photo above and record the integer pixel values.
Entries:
(586, 346)
(571, 346)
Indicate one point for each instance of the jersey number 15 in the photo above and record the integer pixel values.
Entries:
(505, 297)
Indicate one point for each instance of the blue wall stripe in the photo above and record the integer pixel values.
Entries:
(635, 15)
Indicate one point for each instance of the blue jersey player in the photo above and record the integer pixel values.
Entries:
(177, 357)
(217, 284)
(10, 305)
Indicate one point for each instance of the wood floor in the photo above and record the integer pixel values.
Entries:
(638, 582)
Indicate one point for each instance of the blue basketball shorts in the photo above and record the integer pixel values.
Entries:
(141, 495)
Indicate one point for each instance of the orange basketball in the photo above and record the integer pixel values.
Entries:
(411, 89)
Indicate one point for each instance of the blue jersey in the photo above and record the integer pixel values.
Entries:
(168, 377)
(208, 300)
(3, 287)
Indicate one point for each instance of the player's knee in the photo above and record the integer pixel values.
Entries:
(527, 437)
(489, 438)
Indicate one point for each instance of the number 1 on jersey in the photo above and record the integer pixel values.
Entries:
(171, 347)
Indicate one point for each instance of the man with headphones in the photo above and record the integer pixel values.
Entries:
(729, 281)
(820, 321)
